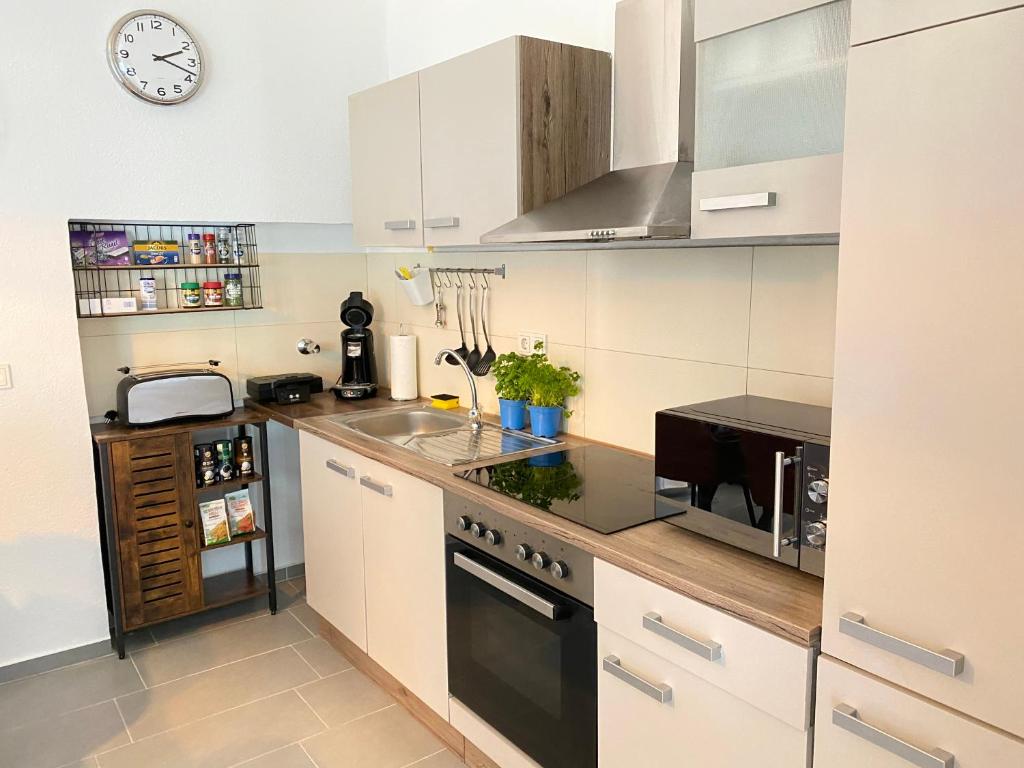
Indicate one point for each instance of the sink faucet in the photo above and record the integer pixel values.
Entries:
(474, 412)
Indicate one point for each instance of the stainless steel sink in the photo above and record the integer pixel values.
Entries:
(446, 438)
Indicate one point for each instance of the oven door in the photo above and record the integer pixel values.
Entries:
(523, 657)
(734, 485)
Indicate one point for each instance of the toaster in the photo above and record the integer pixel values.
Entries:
(165, 396)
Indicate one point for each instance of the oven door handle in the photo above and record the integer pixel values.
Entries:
(542, 606)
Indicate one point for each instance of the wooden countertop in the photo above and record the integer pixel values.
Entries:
(110, 433)
(775, 597)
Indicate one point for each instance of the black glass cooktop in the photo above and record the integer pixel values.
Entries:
(602, 488)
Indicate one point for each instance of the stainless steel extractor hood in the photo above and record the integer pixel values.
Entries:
(647, 194)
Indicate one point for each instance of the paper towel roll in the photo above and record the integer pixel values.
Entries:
(403, 368)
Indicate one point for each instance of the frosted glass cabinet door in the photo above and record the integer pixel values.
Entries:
(768, 94)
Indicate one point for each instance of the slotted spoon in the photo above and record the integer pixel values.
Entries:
(489, 355)
(462, 351)
(474, 355)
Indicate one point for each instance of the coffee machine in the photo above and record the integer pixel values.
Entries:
(358, 378)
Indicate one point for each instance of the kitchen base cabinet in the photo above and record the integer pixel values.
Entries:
(653, 714)
(863, 721)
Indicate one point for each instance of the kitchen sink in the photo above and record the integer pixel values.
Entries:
(446, 438)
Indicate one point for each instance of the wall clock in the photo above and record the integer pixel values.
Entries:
(154, 57)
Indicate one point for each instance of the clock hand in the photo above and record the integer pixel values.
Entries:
(166, 56)
(189, 71)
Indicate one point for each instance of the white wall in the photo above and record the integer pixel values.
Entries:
(265, 140)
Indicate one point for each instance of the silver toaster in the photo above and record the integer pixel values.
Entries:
(164, 396)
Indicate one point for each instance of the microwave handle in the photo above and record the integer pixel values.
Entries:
(781, 462)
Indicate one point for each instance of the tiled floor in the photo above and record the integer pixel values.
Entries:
(234, 687)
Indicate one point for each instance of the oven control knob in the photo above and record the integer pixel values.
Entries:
(559, 569)
(462, 523)
(817, 491)
(815, 533)
(493, 537)
(540, 561)
(523, 552)
(476, 530)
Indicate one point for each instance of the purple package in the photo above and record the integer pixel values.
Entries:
(83, 250)
(112, 249)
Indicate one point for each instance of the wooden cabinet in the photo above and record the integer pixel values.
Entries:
(403, 543)
(863, 721)
(384, 137)
(503, 129)
(925, 537)
(332, 527)
(876, 19)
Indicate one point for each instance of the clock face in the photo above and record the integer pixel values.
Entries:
(155, 57)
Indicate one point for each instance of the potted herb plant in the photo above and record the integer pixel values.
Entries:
(538, 483)
(512, 389)
(549, 387)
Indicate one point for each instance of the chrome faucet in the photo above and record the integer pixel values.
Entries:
(475, 422)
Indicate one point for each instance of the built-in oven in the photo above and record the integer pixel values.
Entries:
(749, 471)
(522, 642)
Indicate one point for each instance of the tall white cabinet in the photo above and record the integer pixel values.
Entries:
(925, 536)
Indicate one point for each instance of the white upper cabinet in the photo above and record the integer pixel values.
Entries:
(925, 535)
(876, 19)
(384, 133)
(770, 118)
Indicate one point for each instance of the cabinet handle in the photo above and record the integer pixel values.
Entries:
(340, 468)
(845, 717)
(535, 602)
(400, 224)
(947, 662)
(444, 222)
(781, 461)
(658, 691)
(382, 488)
(730, 202)
(710, 651)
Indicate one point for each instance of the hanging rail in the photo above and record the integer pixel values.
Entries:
(497, 271)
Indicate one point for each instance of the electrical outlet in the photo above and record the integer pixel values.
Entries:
(539, 343)
(5, 376)
(524, 347)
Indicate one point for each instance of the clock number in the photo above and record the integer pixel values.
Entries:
(145, 83)
(130, 71)
(174, 31)
(139, 26)
(186, 46)
(191, 62)
(177, 88)
(161, 92)
(124, 53)
(156, 24)
(188, 78)
(129, 37)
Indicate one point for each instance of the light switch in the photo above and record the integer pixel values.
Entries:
(5, 376)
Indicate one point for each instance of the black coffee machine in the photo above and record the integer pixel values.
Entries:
(358, 378)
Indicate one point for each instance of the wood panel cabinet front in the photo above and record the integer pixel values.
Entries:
(925, 535)
(332, 527)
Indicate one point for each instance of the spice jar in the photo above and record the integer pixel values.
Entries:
(233, 289)
(213, 293)
(209, 248)
(195, 248)
(190, 295)
(223, 246)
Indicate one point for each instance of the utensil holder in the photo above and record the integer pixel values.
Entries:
(420, 289)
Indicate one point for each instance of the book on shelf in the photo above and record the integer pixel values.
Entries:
(241, 519)
(215, 522)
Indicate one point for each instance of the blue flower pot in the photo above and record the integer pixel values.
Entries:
(513, 413)
(555, 459)
(545, 420)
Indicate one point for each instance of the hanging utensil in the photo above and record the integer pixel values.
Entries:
(462, 351)
(487, 360)
(475, 354)
(439, 307)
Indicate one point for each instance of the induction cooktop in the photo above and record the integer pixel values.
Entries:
(602, 488)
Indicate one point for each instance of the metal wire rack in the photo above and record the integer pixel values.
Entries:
(106, 276)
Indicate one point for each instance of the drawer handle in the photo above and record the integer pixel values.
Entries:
(658, 691)
(399, 224)
(710, 651)
(845, 717)
(947, 662)
(382, 488)
(445, 222)
(341, 469)
(731, 202)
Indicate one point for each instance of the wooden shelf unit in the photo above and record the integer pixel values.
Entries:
(244, 538)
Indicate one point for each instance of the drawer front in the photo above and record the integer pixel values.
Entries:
(861, 720)
(717, 17)
(877, 19)
(770, 673)
(800, 196)
(651, 712)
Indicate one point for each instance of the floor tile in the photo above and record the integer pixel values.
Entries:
(65, 689)
(322, 656)
(344, 697)
(389, 739)
(213, 619)
(295, 586)
(309, 618)
(89, 762)
(196, 653)
(445, 759)
(192, 698)
(289, 757)
(63, 739)
(223, 740)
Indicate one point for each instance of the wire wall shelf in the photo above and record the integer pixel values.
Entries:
(105, 260)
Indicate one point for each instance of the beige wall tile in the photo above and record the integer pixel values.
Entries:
(793, 309)
(380, 286)
(423, 316)
(815, 390)
(268, 349)
(690, 303)
(624, 391)
(63, 739)
(143, 323)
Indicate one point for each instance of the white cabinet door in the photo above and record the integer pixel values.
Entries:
(469, 118)
(861, 721)
(717, 17)
(403, 537)
(925, 534)
(384, 128)
(698, 724)
(875, 19)
(332, 526)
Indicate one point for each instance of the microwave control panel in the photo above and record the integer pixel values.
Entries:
(814, 508)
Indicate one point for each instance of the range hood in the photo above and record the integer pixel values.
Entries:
(647, 194)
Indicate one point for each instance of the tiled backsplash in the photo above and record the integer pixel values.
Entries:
(646, 328)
